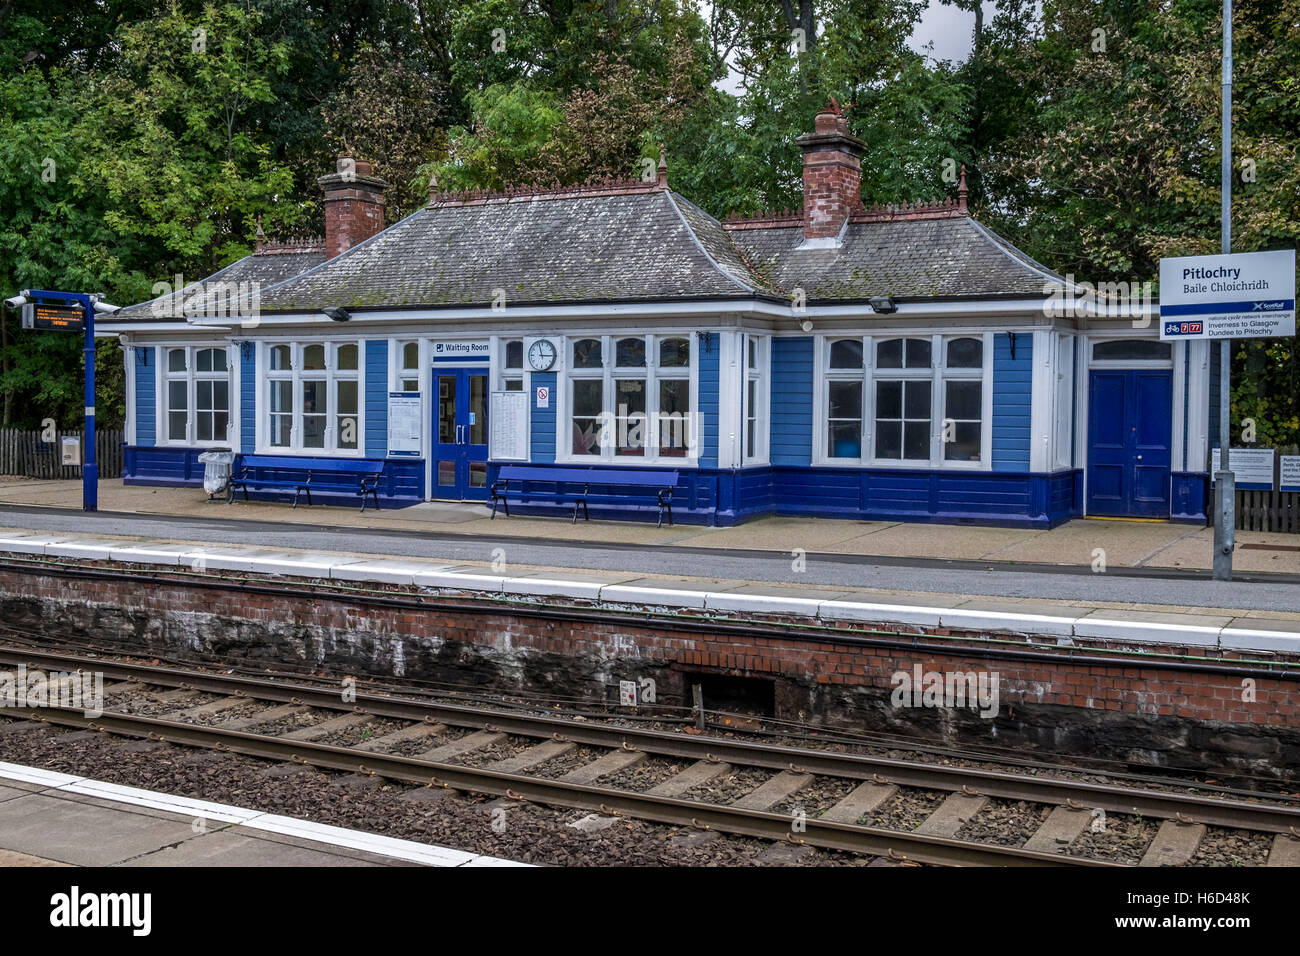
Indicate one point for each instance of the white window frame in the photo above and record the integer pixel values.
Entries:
(190, 375)
(504, 376)
(296, 375)
(759, 373)
(399, 372)
(653, 374)
(937, 375)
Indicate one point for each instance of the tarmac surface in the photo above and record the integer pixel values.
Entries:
(1158, 566)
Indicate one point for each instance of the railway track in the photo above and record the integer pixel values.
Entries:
(570, 763)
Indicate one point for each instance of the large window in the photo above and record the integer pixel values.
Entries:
(630, 397)
(197, 390)
(906, 400)
(313, 397)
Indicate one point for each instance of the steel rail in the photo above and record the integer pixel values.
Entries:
(1078, 794)
(898, 845)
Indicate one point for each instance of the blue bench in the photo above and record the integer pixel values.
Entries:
(614, 485)
(268, 472)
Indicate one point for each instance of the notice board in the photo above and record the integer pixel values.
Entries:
(509, 421)
(1252, 468)
(404, 424)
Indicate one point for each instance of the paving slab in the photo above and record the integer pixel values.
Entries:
(72, 831)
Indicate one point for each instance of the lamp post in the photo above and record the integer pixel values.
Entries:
(58, 311)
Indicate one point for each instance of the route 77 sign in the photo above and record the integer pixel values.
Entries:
(1246, 295)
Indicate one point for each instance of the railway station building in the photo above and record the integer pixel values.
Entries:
(839, 360)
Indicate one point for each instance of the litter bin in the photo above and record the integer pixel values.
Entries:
(216, 470)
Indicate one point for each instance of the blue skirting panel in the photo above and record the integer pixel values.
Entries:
(1189, 493)
(727, 497)
(402, 484)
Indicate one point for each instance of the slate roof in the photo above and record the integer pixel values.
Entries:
(647, 245)
(626, 243)
(267, 268)
(905, 258)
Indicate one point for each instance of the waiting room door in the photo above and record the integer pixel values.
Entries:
(460, 433)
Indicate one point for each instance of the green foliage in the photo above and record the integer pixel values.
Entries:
(164, 153)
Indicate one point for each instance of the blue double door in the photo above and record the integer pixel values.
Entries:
(1130, 424)
(460, 433)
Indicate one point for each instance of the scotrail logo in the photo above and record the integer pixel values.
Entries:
(75, 909)
(79, 690)
(976, 690)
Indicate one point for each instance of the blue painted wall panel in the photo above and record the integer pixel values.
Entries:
(146, 397)
(1012, 398)
(542, 420)
(792, 401)
(376, 398)
(710, 346)
(248, 401)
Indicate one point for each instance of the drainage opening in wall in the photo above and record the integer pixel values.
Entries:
(755, 696)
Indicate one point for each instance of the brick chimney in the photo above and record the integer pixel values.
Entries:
(832, 174)
(354, 205)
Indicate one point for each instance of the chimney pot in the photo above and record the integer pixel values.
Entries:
(832, 174)
(354, 205)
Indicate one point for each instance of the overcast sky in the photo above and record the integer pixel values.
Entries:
(949, 29)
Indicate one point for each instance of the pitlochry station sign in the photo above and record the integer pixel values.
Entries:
(1246, 295)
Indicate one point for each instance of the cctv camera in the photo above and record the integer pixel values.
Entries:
(106, 308)
(16, 302)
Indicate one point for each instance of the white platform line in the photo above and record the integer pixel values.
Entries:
(408, 850)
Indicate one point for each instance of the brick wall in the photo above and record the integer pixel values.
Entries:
(1194, 712)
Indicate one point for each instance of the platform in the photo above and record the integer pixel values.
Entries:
(56, 819)
(1131, 544)
(1223, 628)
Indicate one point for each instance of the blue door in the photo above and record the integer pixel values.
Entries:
(460, 433)
(1130, 421)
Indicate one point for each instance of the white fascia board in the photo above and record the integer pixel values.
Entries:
(488, 316)
(136, 328)
(943, 308)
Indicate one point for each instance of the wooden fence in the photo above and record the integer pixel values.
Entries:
(1265, 510)
(24, 453)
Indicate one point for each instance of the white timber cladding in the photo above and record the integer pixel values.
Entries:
(1043, 395)
(908, 402)
(1177, 454)
(756, 398)
(128, 361)
(730, 415)
(1198, 405)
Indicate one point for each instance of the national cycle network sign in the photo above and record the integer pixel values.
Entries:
(1246, 295)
